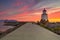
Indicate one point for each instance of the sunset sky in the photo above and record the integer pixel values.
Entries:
(29, 10)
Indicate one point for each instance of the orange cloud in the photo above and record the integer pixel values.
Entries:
(35, 15)
(54, 16)
(25, 17)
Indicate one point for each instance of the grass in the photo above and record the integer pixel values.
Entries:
(55, 29)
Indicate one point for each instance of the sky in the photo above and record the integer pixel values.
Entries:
(29, 10)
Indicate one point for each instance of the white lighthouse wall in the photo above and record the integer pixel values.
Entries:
(44, 17)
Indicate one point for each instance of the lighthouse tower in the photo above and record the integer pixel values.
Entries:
(44, 17)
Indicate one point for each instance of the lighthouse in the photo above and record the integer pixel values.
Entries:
(44, 16)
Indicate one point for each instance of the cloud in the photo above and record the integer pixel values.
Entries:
(18, 6)
(47, 4)
(25, 9)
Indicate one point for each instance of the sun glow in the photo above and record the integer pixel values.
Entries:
(54, 20)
